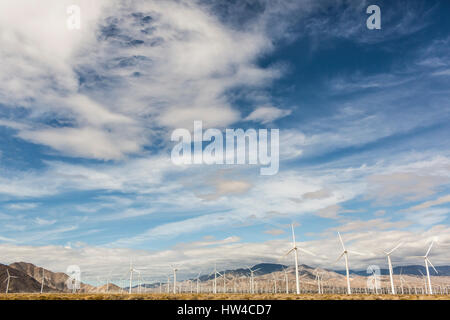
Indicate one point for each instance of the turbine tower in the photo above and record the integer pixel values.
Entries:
(390, 267)
(295, 249)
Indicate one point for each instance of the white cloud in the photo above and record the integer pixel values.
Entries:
(330, 212)
(23, 206)
(442, 73)
(319, 194)
(428, 217)
(44, 222)
(405, 185)
(431, 203)
(183, 63)
(275, 232)
(226, 187)
(267, 114)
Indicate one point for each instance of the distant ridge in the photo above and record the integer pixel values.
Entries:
(264, 268)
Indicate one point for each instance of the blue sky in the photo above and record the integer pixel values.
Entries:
(86, 118)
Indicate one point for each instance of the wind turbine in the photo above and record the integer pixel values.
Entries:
(168, 283)
(139, 280)
(319, 281)
(42, 282)
(174, 279)
(198, 279)
(224, 282)
(108, 280)
(275, 279)
(345, 254)
(295, 249)
(8, 279)
(215, 279)
(286, 280)
(252, 280)
(427, 261)
(424, 282)
(131, 275)
(390, 267)
(401, 280)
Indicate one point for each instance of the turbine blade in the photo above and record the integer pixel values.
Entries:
(293, 234)
(285, 254)
(339, 257)
(308, 252)
(432, 265)
(426, 255)
(395, 248)
(356, 252)
(342, 242)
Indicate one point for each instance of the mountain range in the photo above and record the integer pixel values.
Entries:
(26, 277)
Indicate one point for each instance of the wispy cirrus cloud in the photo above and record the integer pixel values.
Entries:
(431, 203)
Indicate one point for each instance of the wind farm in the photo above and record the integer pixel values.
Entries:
(291, 281)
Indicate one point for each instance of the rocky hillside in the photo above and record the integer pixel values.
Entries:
(55, 281)
(23, 282)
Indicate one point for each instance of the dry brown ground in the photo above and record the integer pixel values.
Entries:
(112, 296)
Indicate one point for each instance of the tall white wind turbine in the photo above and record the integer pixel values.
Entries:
(286, 280)
(427, 261)
(296, 249)
(131, 276)
(174, 279)
(8, 280)
(198, 282)
(275, 280)
(345, 255)
(252, 279)
(215, 279)
(42, 282)
(388, 254)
